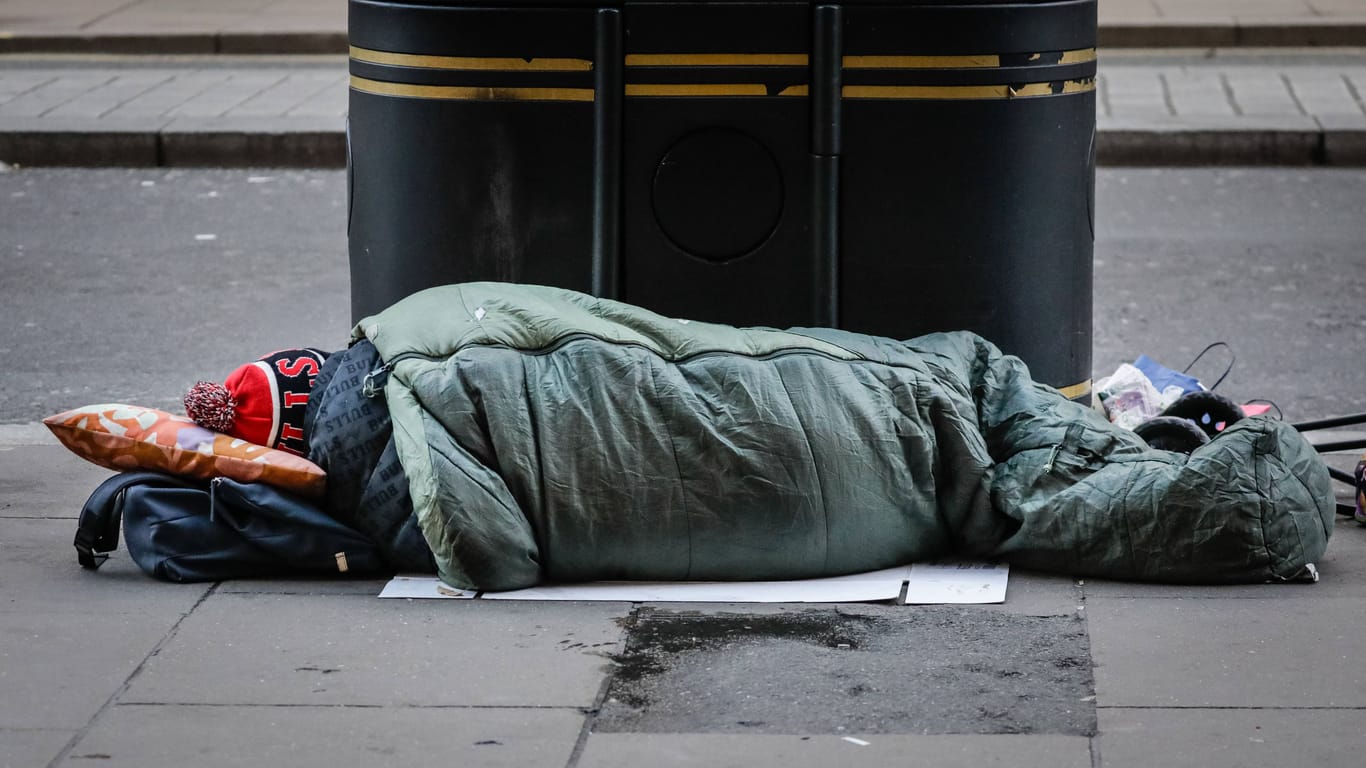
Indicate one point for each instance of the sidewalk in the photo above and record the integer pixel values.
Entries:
(219, 111)
(116, 670)
(113, 669)
(1241, 109)
(173, 26)
(194, 88)
(319, 26)
(1223, 23)
(1153, 108)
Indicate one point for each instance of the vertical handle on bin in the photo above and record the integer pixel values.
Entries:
(827, 66)
(827, 70)
(608, 60)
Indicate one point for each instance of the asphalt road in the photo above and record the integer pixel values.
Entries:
(1272, 262)
(129, 285)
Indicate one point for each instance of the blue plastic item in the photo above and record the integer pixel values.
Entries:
(1162, 377)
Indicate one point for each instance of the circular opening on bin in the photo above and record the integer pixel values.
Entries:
(718, 194)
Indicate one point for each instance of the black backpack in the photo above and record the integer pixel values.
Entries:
(183, 530)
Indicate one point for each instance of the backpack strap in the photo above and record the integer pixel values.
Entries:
(97, 531)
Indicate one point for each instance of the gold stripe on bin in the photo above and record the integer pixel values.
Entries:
(978, 61)
(468, 92)
(964, 91)
(709, 89)
(921, 62)
(1080, 56)
(1076, 390)
(483, 63)
(906, 92)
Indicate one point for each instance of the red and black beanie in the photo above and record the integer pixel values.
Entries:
(262, 402)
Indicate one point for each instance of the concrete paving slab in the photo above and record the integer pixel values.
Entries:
(1261, 92)
(619, 750)
(24, 13)
(40, 574)
(109, 98)
(189, 14)
(51, 95)
(27, 748)
(346, 650)
(276, 124)
(1104, 588)
(1329, 8)
(1031, 593)
(58, 669)
(1230, 124)
(325, 737)
(133, 126)
(26, 491)
(358, 587)
(1187, 8)
(1227, 653)
(1323, 92)
(1255, 738)
(291, 92)
(221, 96)
(1197, 92)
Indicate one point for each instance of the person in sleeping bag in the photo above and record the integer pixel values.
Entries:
(508, 435)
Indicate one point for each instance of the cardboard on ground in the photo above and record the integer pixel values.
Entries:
(423, 588)
(956, 581)
(941, 582)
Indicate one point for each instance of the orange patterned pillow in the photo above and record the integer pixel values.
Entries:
(127, 437)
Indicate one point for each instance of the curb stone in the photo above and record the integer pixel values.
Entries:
(309, 146)
(179, 43)
(1230, 33)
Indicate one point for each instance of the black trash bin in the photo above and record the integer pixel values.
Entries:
(888, 167)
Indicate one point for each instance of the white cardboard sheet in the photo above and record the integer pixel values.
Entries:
(855, 588)
(927, 583)
(956, 582)
(424, 588)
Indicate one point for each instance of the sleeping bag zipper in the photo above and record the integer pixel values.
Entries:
(375, 381)
(373, 385)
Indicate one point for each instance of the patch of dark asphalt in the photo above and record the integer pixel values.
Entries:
(926, 670)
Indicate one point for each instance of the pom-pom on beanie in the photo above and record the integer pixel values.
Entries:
(262, 402)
